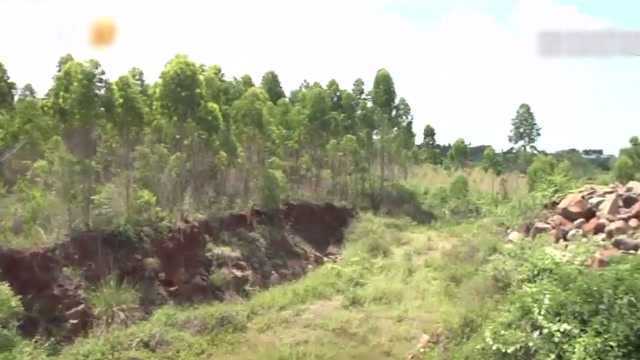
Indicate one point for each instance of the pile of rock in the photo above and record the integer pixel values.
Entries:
(610, 213)
(611, 210)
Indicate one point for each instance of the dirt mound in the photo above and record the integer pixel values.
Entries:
(193, 261)
(319, 225)
(54, 304)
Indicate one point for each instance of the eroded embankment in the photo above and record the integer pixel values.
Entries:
(211, 259)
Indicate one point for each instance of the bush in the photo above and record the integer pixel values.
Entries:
(454, 203)
(572, 313)
(549, 177)
(459, 187)
(12, 346)
(624, 170)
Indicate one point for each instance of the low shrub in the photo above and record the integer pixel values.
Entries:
(399, 200)
(114, 303)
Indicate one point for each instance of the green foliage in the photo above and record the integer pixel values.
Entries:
(624, 169)
(459, 187)
(112, 211)
(179, 91)
(384, 93)
(569, 312)
(113, 302)
(12, 346)
(271, 85)
(273, 188)
(10, 307)
(458, 154)
(491, 161)
(549, 177)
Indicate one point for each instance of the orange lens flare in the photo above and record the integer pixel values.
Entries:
(103, 32)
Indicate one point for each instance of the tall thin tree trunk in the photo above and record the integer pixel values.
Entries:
(127, 165)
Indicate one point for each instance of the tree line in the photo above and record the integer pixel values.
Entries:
(195, 140)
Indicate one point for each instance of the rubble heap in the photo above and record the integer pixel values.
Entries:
(610, 213)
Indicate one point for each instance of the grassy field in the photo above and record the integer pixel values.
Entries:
(429, 176)
(396, 281)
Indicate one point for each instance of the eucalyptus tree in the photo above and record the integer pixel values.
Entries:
(129, 120)
(384, 100)
(76, 101)
(253, 130)
(271, 85)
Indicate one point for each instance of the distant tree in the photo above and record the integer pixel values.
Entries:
(491, 161)
(428, 136)
(247, 82)
(27, 92)
(358, 88)
(384, 99)
(524, 129)
(253, 129)
(271, 85)
(179, 91)
(429, 151)
(384, 92)
(458, 154)
(7, 90)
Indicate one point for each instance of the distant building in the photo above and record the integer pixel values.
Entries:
(593, 153)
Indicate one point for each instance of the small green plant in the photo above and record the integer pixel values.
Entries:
(10, 307)
(114, 303)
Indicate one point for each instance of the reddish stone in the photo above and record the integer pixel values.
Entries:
(633, 186)
(558, 221)
(634, 212)
(616, 228)
(626, 244)
(594, 226)
(539, 228)
(610, 206)
(628, 200)
(574, 207)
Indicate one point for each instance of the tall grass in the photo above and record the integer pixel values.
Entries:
(429, 176)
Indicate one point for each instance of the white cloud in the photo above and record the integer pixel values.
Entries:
(465, 73)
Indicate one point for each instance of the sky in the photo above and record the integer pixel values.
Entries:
(463, 66)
